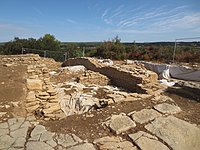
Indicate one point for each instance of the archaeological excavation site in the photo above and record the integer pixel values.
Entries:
(97, 104)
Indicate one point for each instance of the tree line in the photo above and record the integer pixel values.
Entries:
(113, 49)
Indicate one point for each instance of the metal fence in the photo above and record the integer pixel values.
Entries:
(180, 44)
(58, 56)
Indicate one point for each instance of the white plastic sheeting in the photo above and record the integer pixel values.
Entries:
(166, 71)
(185, 73)
(165, 82)
(163, 70)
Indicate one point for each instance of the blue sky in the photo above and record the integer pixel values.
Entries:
(99, 20)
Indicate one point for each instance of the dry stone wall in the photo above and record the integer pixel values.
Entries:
(41, 99)
(119, 76)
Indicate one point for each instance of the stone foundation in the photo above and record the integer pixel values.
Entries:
(128, 77)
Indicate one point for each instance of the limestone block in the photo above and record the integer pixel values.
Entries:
(145, 115)
(167, 108)
(179, 134)
(146, 141)
(120, 123)
(34, 84)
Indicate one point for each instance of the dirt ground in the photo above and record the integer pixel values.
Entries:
(89, 126)
(12, 90)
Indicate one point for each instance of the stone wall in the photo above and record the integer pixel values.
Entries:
(41, 97)
(120, 76)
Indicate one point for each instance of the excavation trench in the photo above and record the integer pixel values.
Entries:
(77, 98)
(118, 77)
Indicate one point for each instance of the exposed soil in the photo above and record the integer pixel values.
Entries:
(91, 128)
(89, 125)
(12, 90)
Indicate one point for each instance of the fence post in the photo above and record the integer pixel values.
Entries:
(83, 51)
(22, 50)
(174, 53)
(45, 53)
(65, 56)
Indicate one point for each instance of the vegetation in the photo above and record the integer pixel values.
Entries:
(49, 46)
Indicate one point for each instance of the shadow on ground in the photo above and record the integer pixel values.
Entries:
(186, 92)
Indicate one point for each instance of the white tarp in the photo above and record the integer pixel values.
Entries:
(185, 73)
(161, 69)
(166, 71)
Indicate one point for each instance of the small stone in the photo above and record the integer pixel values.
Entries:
(112, 142)
(4, 131)
(30, 95)
(7, 65)
(52, 143)
(42, 94)
(32, 108)
(19, 122)
(76, 138)
(85, 146)
(32, 145)
(167, 108)
(21, 132)
(46, 136)
(33, 103)
(7, 106)
(20, 142)
(34, 84)
(51, 92)
(12, 121)
(6, 141)
(2, 114)
(145, 115)
(66, 140)
(31, 118)
(4, 125)
(145, 141)
(38, 130)
(45, 98)
(121, 123)
(35, 138)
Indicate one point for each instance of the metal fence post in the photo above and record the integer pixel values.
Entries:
(22, 50)
(45, 53)
(65, 56)
(174, 53)
(83, 51)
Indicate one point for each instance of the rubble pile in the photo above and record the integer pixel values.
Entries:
(77, 98)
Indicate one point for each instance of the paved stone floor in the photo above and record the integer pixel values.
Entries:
(19, 134)
(165, 132)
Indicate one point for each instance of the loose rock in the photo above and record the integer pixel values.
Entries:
(120, 123)
(145, 115)
(166, 108)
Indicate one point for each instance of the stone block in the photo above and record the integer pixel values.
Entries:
(34, 84)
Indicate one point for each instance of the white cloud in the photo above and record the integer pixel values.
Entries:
(105, 13)
(153, 20)
(70, 21)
